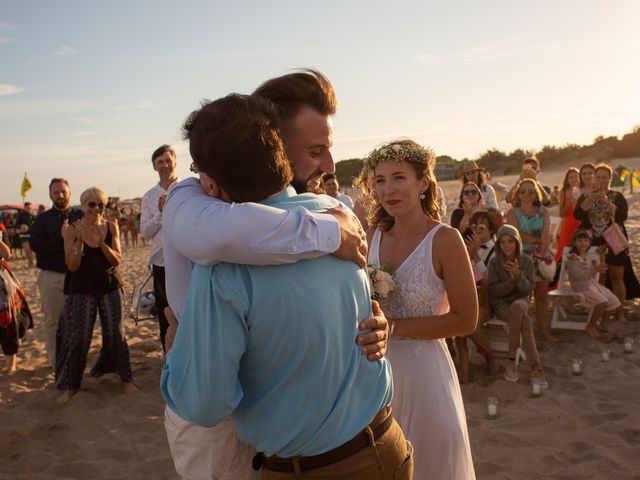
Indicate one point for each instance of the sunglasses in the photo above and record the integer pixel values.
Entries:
(469, 192)
(96, 204)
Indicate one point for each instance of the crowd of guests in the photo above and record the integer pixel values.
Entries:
(206, 241)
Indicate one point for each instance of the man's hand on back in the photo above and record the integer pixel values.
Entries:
(374, 343)
(353, 239)
(171, 330)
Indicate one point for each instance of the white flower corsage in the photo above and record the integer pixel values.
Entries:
(381, 282)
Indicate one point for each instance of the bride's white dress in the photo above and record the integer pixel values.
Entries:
(427, 402)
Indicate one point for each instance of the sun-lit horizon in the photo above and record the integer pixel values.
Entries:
(89, 96)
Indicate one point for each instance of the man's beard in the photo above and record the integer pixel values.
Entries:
(61, 204)
(309, 185)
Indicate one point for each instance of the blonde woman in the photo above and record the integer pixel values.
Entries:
(92, 286)
(436, 298)
(531, 219)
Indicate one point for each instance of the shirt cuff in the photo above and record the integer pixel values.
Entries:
(328, 232)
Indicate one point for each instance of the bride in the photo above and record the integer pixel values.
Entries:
(435, 299)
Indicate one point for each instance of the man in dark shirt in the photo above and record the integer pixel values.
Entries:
(46, 242)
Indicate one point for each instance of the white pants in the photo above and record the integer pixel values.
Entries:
(214, 453)
(51, 285)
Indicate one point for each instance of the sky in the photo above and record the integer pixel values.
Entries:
(89, 89)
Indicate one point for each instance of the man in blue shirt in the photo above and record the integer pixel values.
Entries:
(272, 347)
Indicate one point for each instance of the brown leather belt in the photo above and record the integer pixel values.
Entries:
(379, 425)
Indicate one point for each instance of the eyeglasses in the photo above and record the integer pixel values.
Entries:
(469, 192)
(96, 204)
(194, 168)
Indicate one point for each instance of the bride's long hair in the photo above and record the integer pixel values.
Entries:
(423, 162)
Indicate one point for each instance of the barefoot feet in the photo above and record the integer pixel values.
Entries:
(11, 365)
(129, 387)
(65, 397)
(592, 331)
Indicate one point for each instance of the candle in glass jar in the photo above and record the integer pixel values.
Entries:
(576, 366)
(605, 355)
(628, 344)
(492, 407)
(536, 389)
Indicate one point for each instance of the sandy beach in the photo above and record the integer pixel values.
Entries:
(583, 427)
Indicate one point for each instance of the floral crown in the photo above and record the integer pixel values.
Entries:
(399, 151)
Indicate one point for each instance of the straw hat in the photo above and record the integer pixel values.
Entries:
(469, 167)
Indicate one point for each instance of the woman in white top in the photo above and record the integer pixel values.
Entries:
(435, 299)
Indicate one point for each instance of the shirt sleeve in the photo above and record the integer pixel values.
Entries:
(200, 380)
(207, 230)
(150, 217)
(490, 197)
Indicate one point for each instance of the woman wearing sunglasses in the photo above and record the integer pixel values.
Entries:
(92, 286)
(471, 201)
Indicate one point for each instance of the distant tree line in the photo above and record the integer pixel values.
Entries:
(501, 163)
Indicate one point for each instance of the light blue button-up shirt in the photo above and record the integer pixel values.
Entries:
(274, 348)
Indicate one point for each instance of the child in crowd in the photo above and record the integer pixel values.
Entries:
(480, 246)
(583, 275)
(511, 281)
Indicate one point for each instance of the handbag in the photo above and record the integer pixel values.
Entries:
(616, 241)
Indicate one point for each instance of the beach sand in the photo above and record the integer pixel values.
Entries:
(583, 427)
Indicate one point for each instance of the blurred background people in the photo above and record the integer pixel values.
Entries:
(332, 188)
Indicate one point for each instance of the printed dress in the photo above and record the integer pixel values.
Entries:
(427, 402)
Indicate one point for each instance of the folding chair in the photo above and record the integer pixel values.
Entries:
(564, 304)
(498, 335)
(143, 301)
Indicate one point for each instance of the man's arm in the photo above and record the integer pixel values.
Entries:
(207, 230)
(150, 217)
(41, 244)
(200, 380)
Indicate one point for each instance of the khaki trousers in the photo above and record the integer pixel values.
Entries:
(389, 457)
(516, 314)
(51, 286)
(214, 453)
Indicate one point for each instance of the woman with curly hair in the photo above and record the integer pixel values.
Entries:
(436, 299)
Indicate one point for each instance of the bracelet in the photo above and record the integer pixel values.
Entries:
(392, 327)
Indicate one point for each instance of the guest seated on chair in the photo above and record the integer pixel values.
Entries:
(480, 246)
(583, 273)
(511, 280)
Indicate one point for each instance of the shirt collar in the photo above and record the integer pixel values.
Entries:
(279, 197)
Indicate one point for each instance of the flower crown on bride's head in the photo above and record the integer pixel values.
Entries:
(398, 151)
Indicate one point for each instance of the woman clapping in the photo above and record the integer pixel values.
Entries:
(92, 286)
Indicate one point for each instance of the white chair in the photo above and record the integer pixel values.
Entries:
(498, 335)
(564, 305)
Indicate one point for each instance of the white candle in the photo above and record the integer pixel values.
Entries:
(628, 344)
(575, 366)
(535, 389)
(605, 355)
(492, 407)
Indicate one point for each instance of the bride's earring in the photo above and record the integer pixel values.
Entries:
(422, 196)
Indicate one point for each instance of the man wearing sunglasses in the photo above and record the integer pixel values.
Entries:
(163, 160)
(46, 242)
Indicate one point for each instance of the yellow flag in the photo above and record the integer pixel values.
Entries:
(26, 186)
